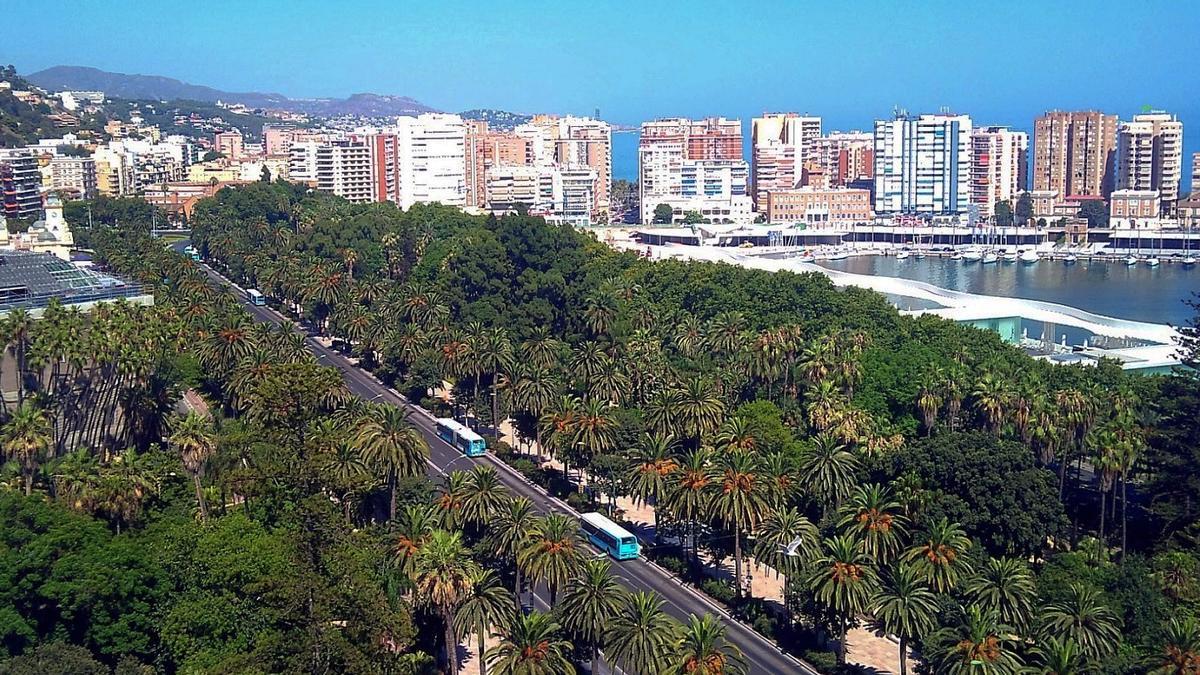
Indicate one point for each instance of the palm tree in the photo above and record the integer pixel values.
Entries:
(689, 495)
(389, 442)
(990, 400)
(553, 553)
(979, 646)
(17, 328)
(703, 650)
(929, 401)
(642, 638)
(193, 438)
(510, 532)
(699, 409)
(1006, 586)
(1083, 618)
(416, 525)
(451, 495)
(740, 501)
(484, 497)
(937, 555)
(651, 468)
(27, 438)
(905, 607)
(788, 542)
(535, 389)
(442, 577)
(530, 645)
(487, 603)
(843, 580)
(590, 605)
(876, 519)
(1181, 651)
(827, 470)
(1053, 656)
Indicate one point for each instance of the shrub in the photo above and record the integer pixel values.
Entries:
(674, 564)
(719, 590)
(526, 467)
(765, 625)
(580, 502)
(825, 662)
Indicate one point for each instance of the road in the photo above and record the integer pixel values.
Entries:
(762, 656)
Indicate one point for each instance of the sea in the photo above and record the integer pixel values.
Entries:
(1140, 293)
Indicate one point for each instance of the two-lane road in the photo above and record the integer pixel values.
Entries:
(762, 656)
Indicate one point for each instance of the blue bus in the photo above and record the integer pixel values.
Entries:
(609, 536)
(460, 436)
(192, 253)
(255, 297)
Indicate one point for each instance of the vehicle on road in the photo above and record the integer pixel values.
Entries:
(461, 436)
(255, 297)
(610, 537)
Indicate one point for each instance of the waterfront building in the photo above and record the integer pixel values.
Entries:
(73, 177)
(835, 207)
(571, 143)
(781, 146)
(846, 157)
(1195, 173)
(229, 143)
(1130, 207)
(1150, 156)
(998, 167)
(20, 183)
(1074, 153)
(923, 164)
(694, 166)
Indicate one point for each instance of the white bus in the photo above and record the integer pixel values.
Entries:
(255, 297)
(609, 536)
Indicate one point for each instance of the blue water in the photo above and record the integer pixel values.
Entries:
(625, 156)
(1141, 293)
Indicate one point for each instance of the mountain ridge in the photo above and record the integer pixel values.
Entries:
(158, 87)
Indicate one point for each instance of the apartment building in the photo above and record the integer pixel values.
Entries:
(1128, 206)
(73, 177)
(1195, 190)
(846, 157)
(383, 150)
(711, 138)
(344, 167)
(923, 164)
(781, 146)
(1074, 153)
(20, 183)
(229, 143)
(694, 166)
(1150, 156)
(569, 142)
(302, 161)
(999, 159)
(819, 207)
(431, 159)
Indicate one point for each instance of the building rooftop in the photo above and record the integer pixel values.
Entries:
(31, 280)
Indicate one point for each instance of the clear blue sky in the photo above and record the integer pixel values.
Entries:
(848, 61)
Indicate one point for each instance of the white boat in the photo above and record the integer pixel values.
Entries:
(1189, 260)
(1130, 260)
(973, 256)
(837, 255)
(1152, 261)
(1010, 256)
(956, 256)
(1071, 259)
(903, 255)
(1030, 257)
(989, 258)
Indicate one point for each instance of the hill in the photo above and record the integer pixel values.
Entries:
(497, 119)
(155, 87)
(24, 121)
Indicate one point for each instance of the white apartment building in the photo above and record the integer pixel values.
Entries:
(564, 194)
(302, 161)
(573, 142)
(999, 162)
(431, 160)
(717, 189)
(782, 144)
(74, 177)
(1150, 156)
(344, 168)
(923, 164)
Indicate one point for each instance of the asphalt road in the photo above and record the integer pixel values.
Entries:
(762, 656)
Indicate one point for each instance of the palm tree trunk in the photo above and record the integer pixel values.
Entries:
(495, 408)
(1103, 512)
(451, 645)
(1124, 502)
(482, 661)
(28, 483)
(737, 560)
(200, 496)
(517, 586)
(842, 643)
(592, 662)
(391, 495)
(903, 655)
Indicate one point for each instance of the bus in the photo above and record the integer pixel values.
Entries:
(461, 436)
(609, 536)
(255, 297)
(192, 253)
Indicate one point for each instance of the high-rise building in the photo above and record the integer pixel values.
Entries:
(998, 166)
(431, 155)
(20, 183)
(923, 164)
(694, 166)
(74, 177)
(229, 143)
(1196, 173)
(344, 168)
(846, 157)
(302, 161)
(781, 145)
(1074, 153)
(1150, 156)
(568, 142)
(384, 164)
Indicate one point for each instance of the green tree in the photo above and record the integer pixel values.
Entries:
(1024, 209)
(1004, 214)
(642, 638)
(873, 516)
(485, 496)
(651, 467)
(193, 439)
(391, 443)
(1005, 586)
(442, 576)
(486, 605)
(1180, 654)
(1096, 213)
(703, 650)
(1082, 617)
(662, 214)
(511, 532)
(553, 552)
(590, 604)
(27, 438)
(981, 645)
(531, 645)
(938, 555)
(905, 607)
(843, 581)
(740, 501)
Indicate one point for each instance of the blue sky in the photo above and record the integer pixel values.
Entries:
(848, 61)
